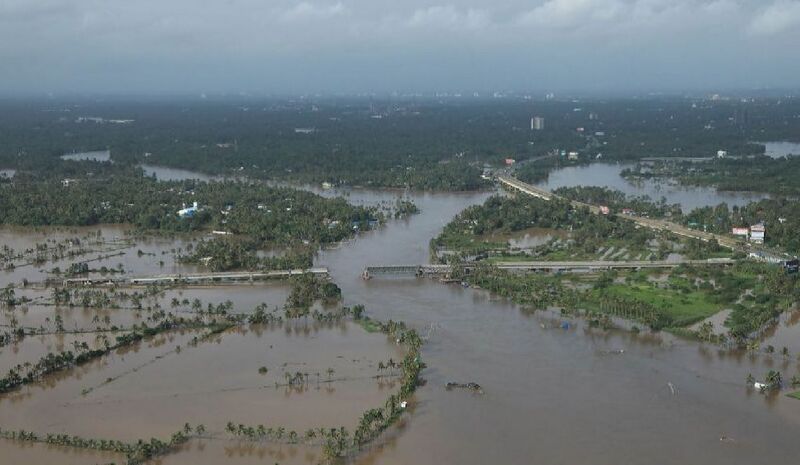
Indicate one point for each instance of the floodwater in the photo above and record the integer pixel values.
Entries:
(7, 173)
(163, 173)
(95, 155)
(155, 389)
(781, 149)
(552, 395)
(608, 175)
(25, 453)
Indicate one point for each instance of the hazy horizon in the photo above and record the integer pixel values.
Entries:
(356, 46)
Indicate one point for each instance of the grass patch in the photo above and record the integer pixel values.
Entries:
(369, 325)
(684, 306)
(794, 395)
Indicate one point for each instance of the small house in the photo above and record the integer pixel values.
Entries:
(758, 233)
(743, 232)
(188, 212)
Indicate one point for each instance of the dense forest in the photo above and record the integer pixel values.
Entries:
(474, 231)
(754, 174)
(390, 142)
(780, 216)
(110, 193)
(618, 201)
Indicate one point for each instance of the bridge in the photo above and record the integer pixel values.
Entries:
(200, 278)
(660, 225)
(406, 270)
(533, 266)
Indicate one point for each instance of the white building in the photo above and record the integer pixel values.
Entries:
(188, 212)
(758, 233)
(537, 123)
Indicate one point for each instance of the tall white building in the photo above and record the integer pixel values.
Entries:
(537, 123)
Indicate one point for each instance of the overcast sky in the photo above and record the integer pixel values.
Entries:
(290, 46)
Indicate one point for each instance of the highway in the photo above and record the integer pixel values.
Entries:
(661, 225)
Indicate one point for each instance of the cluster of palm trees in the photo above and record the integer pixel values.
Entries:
(633, 309)
(136, 453)
(53, 362)
(9, 299)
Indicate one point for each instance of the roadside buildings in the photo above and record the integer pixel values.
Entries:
(757, 233)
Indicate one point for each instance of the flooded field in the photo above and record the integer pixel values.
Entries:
(781, 149)
(153, 390)
(555, 390)
(163, 173)
(19, 452)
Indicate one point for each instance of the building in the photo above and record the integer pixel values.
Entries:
(537, 123)
(510, 161)
(188, 212)
(758, 233)
(572, 156)
(604, 210)
(744, 232)
(722, 153)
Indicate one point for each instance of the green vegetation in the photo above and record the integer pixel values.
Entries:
(54, 362)
(751, 174)
(124, 196)
(618, 201)
(755, 292)
(781, 217)
(307, 289)
(590, 236)
(136, 453)
(418, 143)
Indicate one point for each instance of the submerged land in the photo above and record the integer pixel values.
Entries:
(305, 280)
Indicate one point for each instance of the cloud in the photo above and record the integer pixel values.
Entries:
(449, 17)
(566, 13)
(306, 10)
(776, 18)
(107, 44)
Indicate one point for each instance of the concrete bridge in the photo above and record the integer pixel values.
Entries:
(406, 270)
(533, 266)
(200, 278)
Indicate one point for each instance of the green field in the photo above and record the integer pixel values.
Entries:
(685, 306)
(794, 395)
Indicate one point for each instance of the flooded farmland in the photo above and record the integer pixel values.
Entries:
(553, 393)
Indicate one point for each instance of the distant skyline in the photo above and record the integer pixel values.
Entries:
(356, 46)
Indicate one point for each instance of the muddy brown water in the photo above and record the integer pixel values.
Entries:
(553, 394)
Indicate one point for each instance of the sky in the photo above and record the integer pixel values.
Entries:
(356, 46)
